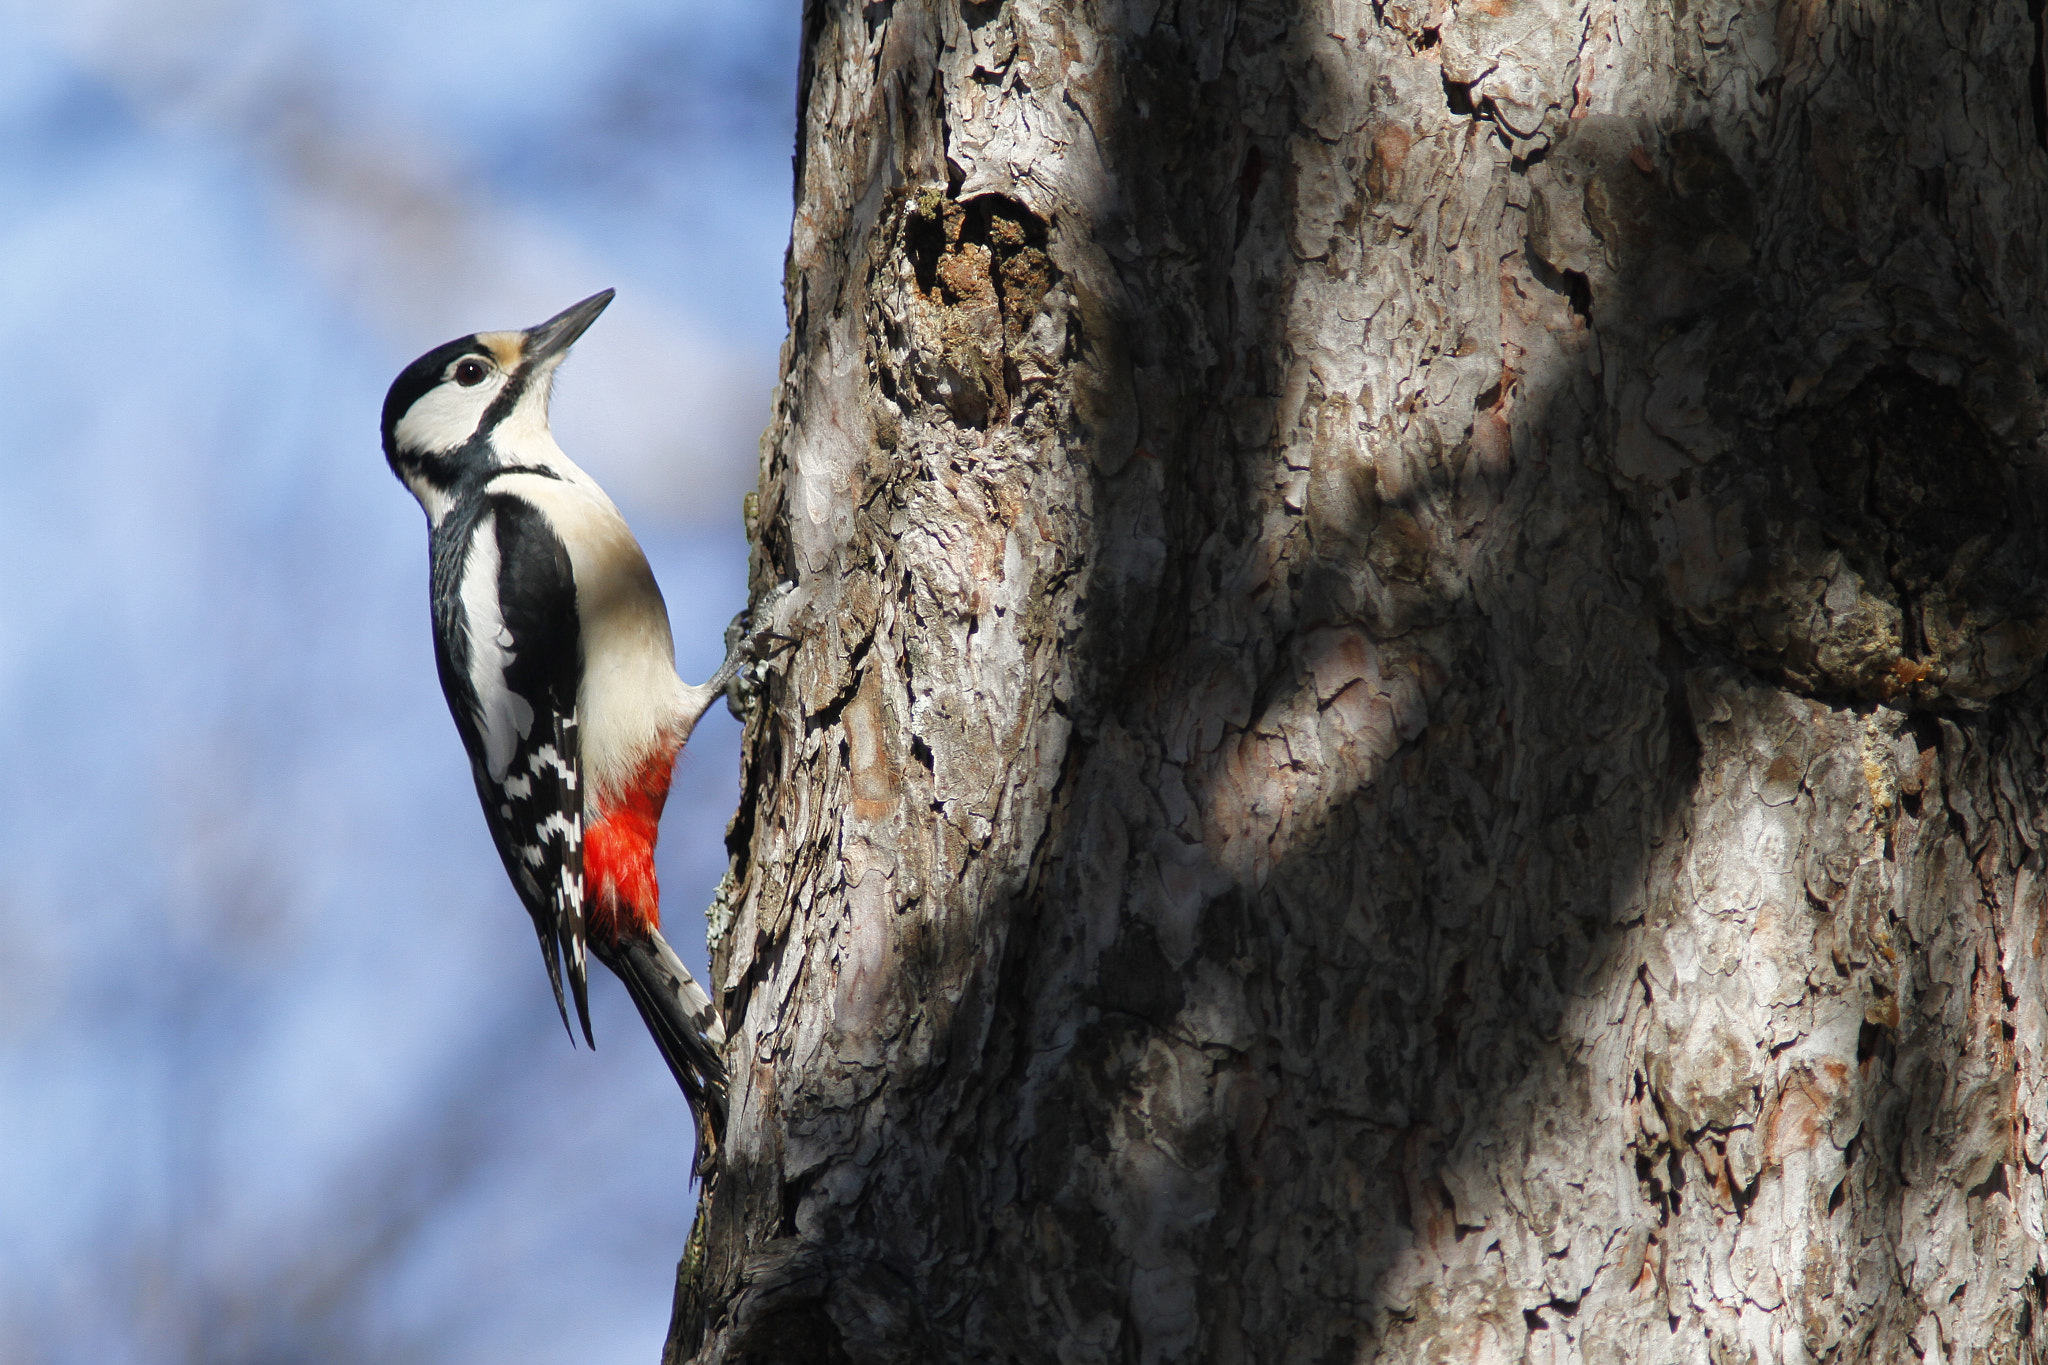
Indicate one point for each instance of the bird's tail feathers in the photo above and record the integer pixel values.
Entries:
(682, 1018)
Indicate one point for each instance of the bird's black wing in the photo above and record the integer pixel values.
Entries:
(510, 655)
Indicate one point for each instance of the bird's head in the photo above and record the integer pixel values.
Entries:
(477, 403)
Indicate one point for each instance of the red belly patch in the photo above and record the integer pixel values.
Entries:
(618, 855)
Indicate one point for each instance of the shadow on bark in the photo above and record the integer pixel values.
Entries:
(1514, 834)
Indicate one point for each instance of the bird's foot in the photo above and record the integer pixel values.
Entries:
(750, 641)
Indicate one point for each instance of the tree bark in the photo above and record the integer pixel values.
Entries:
(1417, 733)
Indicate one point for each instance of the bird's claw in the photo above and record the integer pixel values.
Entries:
(748, 644)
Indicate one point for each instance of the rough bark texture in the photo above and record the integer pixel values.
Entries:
(1418, 733)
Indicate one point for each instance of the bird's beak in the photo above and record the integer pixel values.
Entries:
(549, 340)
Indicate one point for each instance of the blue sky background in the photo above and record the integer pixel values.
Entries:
(280, 1075)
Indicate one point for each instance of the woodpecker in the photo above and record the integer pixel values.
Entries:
(553, 646)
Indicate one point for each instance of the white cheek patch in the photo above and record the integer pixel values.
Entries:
(503, 716)
(446, 416)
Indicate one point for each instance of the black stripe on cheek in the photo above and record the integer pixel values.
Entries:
(507, 399)
(439, 469)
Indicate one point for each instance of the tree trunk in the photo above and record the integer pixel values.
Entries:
(1417, 733)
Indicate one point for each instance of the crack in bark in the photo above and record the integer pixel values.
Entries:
(2037, 71)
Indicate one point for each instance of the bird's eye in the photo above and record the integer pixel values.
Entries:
(470, 373)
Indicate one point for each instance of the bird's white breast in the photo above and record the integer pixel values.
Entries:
(630, 697)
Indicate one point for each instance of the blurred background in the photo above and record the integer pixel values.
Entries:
(280, 1075)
